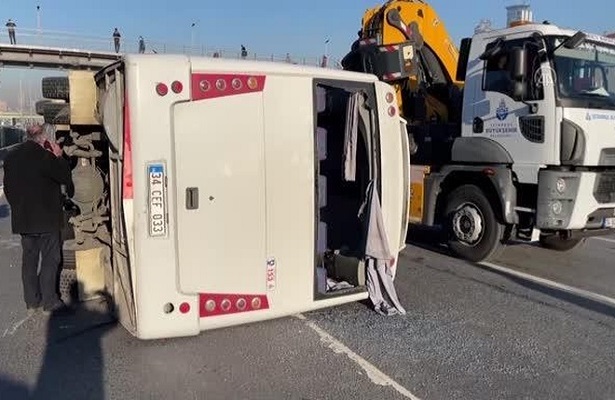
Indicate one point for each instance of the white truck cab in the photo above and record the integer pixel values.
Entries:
(541, 100)
(237, 191)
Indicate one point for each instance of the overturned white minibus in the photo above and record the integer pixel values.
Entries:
(213, 192)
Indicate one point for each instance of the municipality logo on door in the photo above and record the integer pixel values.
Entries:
(502, 111)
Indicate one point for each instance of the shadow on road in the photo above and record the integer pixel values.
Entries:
(11, 390)
(73, 364)
(430, 239)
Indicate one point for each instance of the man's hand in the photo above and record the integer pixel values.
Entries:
(56, 149)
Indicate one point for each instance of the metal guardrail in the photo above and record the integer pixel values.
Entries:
(91, 43)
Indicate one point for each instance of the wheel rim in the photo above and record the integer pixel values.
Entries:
(468, 224)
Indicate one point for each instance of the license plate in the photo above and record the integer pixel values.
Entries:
(609, 222)
(157, 200)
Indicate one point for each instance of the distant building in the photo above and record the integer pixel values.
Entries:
(4, 106)
(610, 35)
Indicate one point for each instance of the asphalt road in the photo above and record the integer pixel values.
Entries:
(470, 333)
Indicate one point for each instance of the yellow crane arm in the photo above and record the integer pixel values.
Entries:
(396, 20)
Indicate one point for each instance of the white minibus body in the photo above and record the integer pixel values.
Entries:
(241, 191)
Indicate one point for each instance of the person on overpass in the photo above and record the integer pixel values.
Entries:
(116, 40)
(10, 25)
(34, 174)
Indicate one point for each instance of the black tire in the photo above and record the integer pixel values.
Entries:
(57, 113)
(472, 227)
(56, 88)
(40, 106)
(557, 243)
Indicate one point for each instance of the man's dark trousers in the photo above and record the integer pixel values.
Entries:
(48, 247)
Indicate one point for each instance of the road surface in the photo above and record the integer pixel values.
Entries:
(471, 332)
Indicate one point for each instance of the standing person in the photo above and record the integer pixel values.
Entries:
(34, 174)
(116, 40)
(11, 28)
(141, 45)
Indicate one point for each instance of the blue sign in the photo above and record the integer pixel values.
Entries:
(156, 169)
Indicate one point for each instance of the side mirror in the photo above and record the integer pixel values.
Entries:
(518, 65)
(575, 40)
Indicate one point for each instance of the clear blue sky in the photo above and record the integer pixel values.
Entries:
(269, 26)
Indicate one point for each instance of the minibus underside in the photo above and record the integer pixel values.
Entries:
(113, 111)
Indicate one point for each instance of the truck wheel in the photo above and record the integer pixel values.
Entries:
(57, 113)
(558, 243)
(474, 232)
(56, 87)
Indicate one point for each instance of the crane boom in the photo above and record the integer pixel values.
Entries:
(397, 21)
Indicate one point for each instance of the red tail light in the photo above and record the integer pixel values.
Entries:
(162, 89)
(127, 188)
(177, 87)
(218, 304)
(208, 86)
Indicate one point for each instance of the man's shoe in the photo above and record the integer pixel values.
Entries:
(57, 307)
(33, 310)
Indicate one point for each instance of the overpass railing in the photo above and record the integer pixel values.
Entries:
(72, 40)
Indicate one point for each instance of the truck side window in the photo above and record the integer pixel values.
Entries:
(497, 71)
(497, 75)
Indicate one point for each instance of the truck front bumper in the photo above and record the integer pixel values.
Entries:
(576, 200)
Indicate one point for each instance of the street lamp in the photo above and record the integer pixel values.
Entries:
(327, 47)
(38, 19)
(192, 38)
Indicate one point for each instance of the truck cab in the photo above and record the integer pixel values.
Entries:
(515, 139)
(543, 99)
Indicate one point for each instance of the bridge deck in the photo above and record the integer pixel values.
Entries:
(54, 57)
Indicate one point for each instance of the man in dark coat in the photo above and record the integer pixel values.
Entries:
(34, 174)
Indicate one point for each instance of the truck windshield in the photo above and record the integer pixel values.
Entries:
(586, 74)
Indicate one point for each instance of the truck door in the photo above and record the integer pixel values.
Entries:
(220, 177)
(497, 116)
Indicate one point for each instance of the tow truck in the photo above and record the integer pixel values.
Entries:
(512, 132)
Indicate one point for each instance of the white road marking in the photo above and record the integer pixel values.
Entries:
(11, 331)
(604, 239)
(375, 375)
(560, 286)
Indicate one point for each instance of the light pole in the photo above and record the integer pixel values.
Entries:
(192, 37)
(38, 19)
(327, 47)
